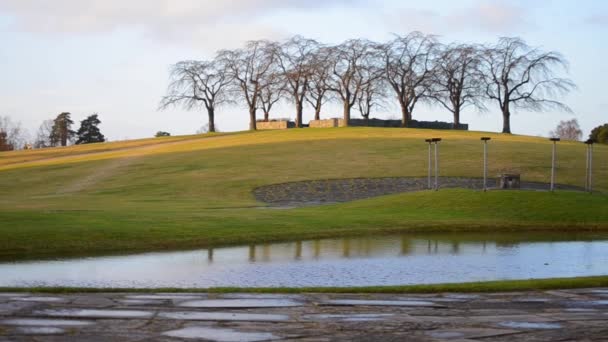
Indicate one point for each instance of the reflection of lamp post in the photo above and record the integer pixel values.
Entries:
(436, 141)
(553, 157)
(430, 142)
(485, 162)
(589, 175)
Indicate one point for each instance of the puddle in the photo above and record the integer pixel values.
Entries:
(343, 262)
(261, 296)
(39, 330)
(241, 303)
(90, 313)
(353, 302)
(529, 325)
(347, 318)
(223, 316)
(531, 300)
(39, 299)
(140, 302)
(44, 322)
(219, 334)
(165, 297)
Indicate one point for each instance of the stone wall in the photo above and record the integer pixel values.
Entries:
(263, 125)
(412, 124)
(386, 123)
(327, 123)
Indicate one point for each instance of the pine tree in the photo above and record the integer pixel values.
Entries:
(89, 132)
(62, 132)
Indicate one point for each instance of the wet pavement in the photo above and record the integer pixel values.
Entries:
(564, 315)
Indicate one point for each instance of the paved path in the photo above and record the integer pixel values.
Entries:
(568, 315)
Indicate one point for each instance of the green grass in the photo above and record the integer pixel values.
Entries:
(195, 191)
(474, 287)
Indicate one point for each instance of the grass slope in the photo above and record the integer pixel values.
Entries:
(195, 191)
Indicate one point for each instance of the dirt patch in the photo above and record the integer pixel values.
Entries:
(345, 190)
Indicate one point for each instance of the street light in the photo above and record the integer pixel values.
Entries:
(553, 158)
(589, 175)
(436, 141)
(485, 162)
(430, 142)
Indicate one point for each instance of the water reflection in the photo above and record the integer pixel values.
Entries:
(363, 261)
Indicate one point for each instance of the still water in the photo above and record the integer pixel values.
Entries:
(362, 261)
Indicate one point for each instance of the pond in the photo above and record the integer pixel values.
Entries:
(360, 261)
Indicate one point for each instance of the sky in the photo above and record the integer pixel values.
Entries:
(113, 57)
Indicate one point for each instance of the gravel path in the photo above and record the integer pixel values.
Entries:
(345, 190)
(566, 315)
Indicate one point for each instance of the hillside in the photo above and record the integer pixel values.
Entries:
(193, 191)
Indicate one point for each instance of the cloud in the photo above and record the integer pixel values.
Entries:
(494, 16)
(597, 20)
(167, 20)
(487, 16)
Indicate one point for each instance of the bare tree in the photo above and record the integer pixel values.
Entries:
(373, 86)
(295, 59)
(518, 76)
(457, 82)
(248, 68)
(43, 135)
(347, 81)
(408, 65)
(318, 87)
(567, 130)
(271, 93)
(195, 84)
(12, 136)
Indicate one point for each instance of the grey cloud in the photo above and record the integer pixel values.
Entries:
(490, 16)
(598, 20)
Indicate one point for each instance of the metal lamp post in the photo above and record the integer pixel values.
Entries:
(553, 159)
(485, 162)
(430, 142)
(589, 169)
(436, 142)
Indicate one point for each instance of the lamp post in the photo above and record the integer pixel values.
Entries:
(589, 174)
(430, 142)
(553, 158)
(485, 162)
(436, 141)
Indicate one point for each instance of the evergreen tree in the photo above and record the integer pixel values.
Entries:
(600, 134)
(5, 145)
(89, 132)
(61, 132)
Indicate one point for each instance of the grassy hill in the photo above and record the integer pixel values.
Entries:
(193, 191)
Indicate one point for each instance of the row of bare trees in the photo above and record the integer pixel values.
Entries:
(361, 74)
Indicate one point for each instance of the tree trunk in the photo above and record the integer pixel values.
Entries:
(456, 118)
(299, 110)
(346, 113)
(266, 116)
(366, 118)
(405, 116)
(318, 106)
(211, 113)
(252, 119)
(506, 120)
